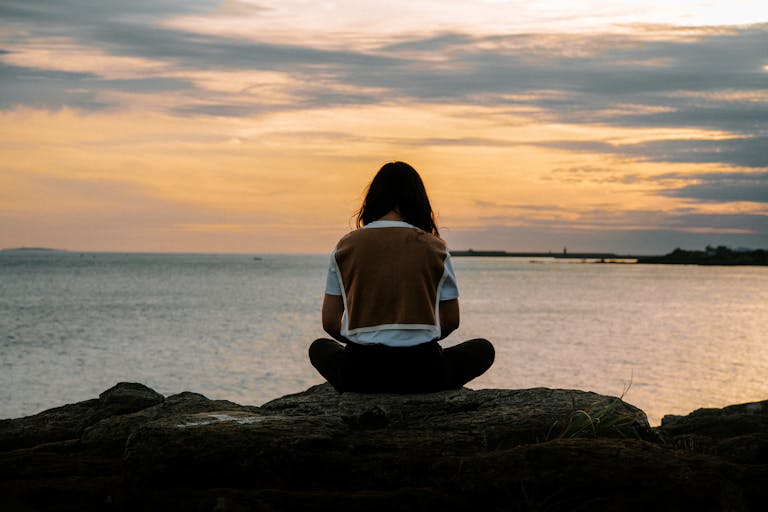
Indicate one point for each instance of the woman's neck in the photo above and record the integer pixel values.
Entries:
(392, 215)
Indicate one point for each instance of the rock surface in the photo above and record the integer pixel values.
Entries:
(321, 450)
(738, 432)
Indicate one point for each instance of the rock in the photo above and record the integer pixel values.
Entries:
(69, 421)
(127, 397)
(111, 433)
(499, 416)
(321, 450)
(737, 432)
(57, 424)
(70, 457)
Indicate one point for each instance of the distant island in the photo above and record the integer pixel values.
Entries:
(31, 249)
(719, 255)
(607, 256)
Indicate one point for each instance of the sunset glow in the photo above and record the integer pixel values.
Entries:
(254, 126)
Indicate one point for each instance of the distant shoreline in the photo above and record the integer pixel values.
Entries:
(710, 256)
(32, 249)
(557, 255)
(720, 256)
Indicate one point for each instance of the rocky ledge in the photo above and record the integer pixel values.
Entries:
(531, 449)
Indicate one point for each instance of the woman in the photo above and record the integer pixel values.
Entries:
(391, 295)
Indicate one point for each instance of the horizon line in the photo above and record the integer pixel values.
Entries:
(459, 252)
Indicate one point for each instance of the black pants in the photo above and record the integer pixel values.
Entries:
(382, 369)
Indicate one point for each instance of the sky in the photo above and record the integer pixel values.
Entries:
(254, 126)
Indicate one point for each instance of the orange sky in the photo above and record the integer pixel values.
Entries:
(192, 129)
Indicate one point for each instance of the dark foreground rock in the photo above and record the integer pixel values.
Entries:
(532, 449)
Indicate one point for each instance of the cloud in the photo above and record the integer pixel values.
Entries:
(736, 151)
(480, 203)
(720, 187)
(612, 226)
(742, 152)
(723, 187)
(595, 76)
(66, 14)
(598, 219)
(591, 174)
(45, 88)
(745, 116)
(99, 55)
(637, 242)
(611, 230)
(597, 70)
(433, 45)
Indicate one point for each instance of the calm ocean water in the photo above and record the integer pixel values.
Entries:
(236, 327)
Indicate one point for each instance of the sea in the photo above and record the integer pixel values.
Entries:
(667, 338)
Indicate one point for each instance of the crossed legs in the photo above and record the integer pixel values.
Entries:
(427, 368)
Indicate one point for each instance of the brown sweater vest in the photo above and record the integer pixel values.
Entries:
(390, 277)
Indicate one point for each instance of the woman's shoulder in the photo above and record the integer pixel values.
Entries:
(394, 236)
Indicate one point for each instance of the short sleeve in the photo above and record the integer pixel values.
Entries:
(450, 290)
(332, 282)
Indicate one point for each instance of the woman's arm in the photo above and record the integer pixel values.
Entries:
(449, 317)
(333, 309)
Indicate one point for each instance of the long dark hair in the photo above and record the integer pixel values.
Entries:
(397, 186)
